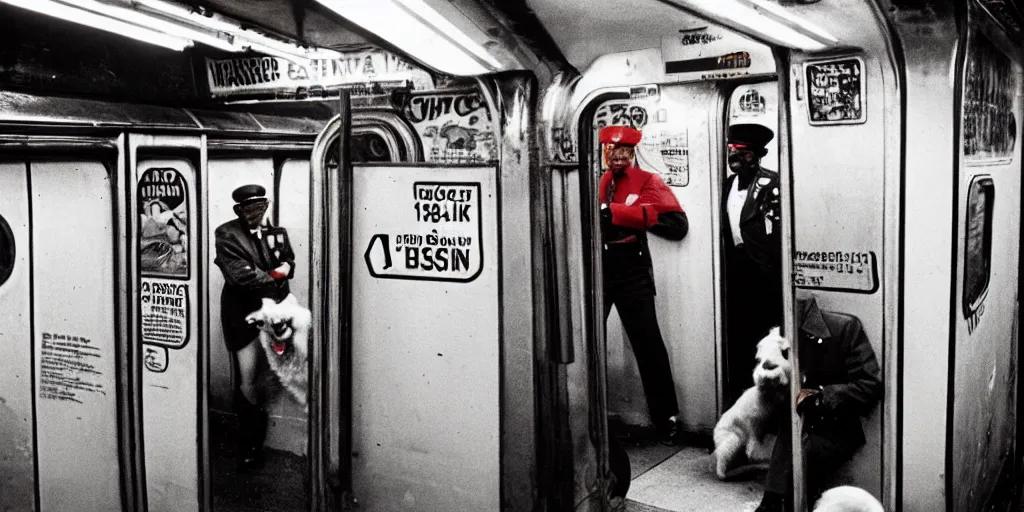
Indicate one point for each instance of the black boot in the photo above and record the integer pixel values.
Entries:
(670, 433)
(252, 428)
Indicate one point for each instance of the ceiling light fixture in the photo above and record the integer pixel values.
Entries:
(418, 30)
(763, 20)
(83, 17)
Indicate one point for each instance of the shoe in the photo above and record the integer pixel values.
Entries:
(670, 433)
(772, 502)
(617, 504)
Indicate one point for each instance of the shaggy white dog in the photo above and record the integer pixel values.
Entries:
(284, 335)
(847, 499)
(746, 429)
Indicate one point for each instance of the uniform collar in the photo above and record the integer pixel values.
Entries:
(811, 320)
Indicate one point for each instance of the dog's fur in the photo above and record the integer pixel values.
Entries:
(284, 335)
(847, 499)
(746, 428)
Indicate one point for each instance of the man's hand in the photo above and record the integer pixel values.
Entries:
(804, 394)
(281, 272)
(802, 404)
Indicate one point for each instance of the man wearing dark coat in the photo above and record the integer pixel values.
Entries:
(257, 261)
(841, 382)
(751, 232)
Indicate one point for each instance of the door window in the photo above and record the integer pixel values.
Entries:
(7, 250)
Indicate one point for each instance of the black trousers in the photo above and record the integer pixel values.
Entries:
(640, 320)
(753, 307)
(618, 462)
(823, 454)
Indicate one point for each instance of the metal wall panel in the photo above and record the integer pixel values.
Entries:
(74, 336)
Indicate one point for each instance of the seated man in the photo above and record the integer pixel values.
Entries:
(841, 382)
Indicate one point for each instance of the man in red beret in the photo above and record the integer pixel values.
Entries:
(633, 203)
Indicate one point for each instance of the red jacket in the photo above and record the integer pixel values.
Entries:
(654, 209)
(628, 271)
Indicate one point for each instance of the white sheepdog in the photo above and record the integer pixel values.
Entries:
(284, 335)
(746, 429)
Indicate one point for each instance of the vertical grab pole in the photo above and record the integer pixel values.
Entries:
(782, 63)
(317, 306)
(339, 303)
(330, 352)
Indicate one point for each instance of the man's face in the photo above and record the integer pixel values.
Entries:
(742, 158)
(252, 212)
(619, 158)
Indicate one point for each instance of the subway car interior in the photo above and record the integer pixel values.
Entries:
(451, 324)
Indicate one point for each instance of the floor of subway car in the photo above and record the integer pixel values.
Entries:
(682, 478)
(278, 485)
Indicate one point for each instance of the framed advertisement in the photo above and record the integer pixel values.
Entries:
(836, 92)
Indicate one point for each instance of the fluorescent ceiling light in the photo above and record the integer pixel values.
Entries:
(243, 38)
(765, 20)
(784, 15)
(432, 18)
(417, 29)
(150, 22)
(50, 8)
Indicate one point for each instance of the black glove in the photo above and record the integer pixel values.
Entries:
(606, 219)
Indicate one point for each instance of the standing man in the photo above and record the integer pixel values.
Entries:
(253, 270)
(633, 202)
(751, 212)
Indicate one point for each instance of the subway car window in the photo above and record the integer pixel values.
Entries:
(978, 248)
(369, 147)
(7, 251)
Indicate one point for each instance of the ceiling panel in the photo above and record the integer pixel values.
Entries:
(587, 29)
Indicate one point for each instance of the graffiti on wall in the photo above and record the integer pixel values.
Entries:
(664, 149)
(835, 92)
(454, 127)
(990, 126)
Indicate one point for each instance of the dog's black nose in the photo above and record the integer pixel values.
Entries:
(768, 365)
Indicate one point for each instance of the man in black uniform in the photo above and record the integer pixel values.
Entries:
(257, 261)
(840, 382)
(753, 250)
(633, 202)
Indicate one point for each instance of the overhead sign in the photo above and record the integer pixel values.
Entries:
(434, 233)
(713, 53)
(265, 74)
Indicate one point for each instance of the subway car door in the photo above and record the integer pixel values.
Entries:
(165, 252)
(60, 337)
(984, 294)
(422, 360)
(681, 126)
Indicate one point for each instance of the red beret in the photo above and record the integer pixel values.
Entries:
(619, 135)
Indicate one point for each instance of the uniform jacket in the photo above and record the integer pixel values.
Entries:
(761, 209)
(245, 262)
(836, 355)
(641, 203)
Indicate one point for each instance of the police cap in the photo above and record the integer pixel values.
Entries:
(750, 134)
(619, 135)
(248, 192)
